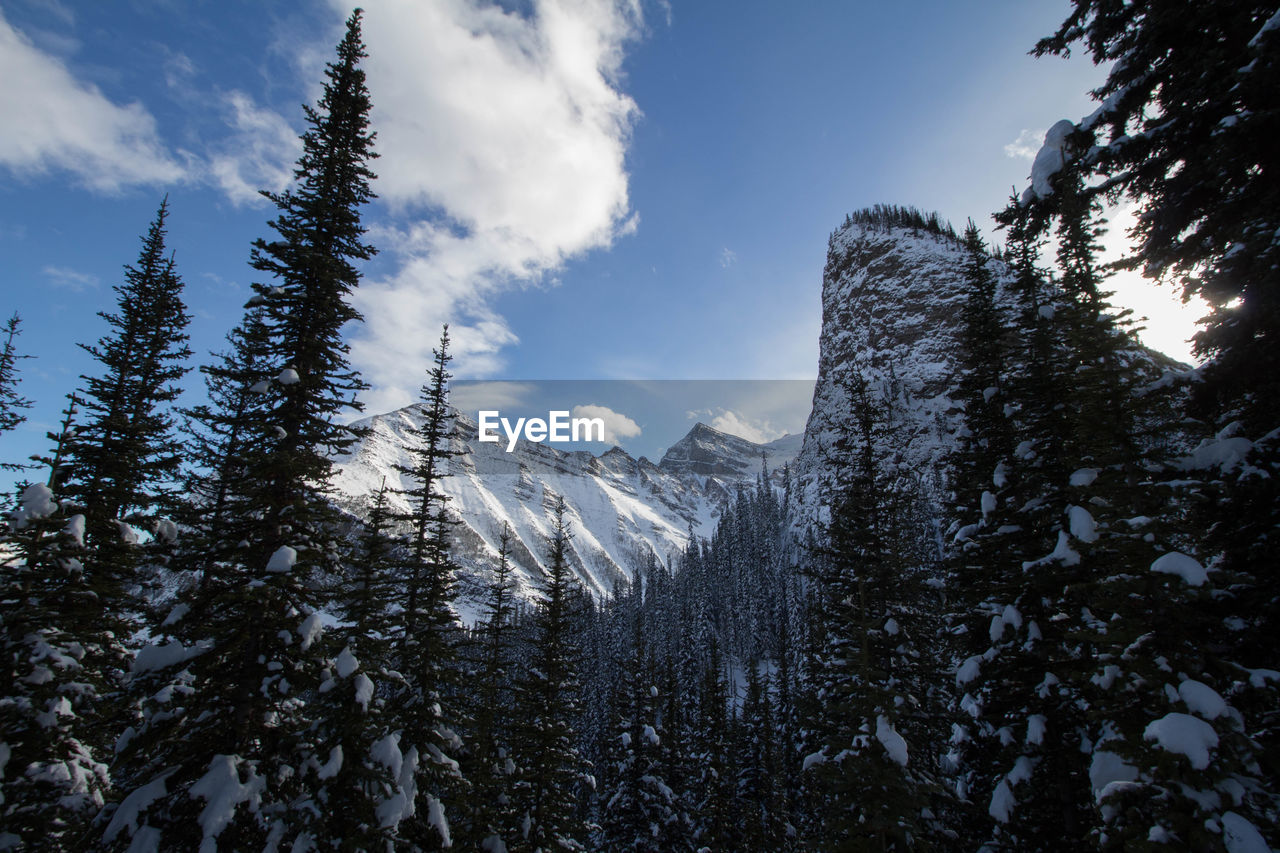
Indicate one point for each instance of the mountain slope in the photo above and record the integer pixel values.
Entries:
(621, 510)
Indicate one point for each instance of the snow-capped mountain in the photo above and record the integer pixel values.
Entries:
(620, 509)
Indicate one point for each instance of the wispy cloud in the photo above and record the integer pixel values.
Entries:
(1026, 146)
(503, 140)
(728, 257)
(55, 122)
(258, 154)
(66, 278)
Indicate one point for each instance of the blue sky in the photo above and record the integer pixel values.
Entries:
(582, 189)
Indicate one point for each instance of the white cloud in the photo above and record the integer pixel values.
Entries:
(1026, 146)
(53, 121)
(66, 278)
(758, 430)
(728, 257)
(617, 426)
(258, 154)
(503, 141)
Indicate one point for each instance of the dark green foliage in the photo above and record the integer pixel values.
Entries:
(125, 457)
(552, 771)
(886, 216)
(222, 688)
(11, 402)
(55, 669)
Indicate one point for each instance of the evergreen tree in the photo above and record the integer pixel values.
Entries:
(493, 805)
(1183, 129)
(428, 627)
(868, 791)
(11, 402)
(552, 770)
(124, 451)
(55, 673)
(232, 761)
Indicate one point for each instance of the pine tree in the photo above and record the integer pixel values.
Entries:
(427, 628)
(55, 673)
(1183, 129)
(228, 732)
(125, 455)
(867, 791)
(493, 806)
(11, 402)
(552, 770)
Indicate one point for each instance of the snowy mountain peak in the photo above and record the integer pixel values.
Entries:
(621, 510)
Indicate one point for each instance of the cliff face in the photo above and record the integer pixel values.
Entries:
(892, 298)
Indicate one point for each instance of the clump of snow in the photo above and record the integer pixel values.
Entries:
(179, 610)
(1002, 802)
(223, 791)
(288, 376)
(1000, 476)
(1238, 834)
(1062, 553)
(892, 742)
(1177, 563)
(1035, 728)
(75, 529)
(126, 815)
(988, 504)
(1225, 454)
(156, 656)
(1049, 160)
(260, 387)
(1081, 524)
(36, 502)
(1185, 735)
(346, 663)
(891, 627)
(310, 629)
(333, 765)
(650, 735)
(1272, 23)
(1083, 477)
(814, 758)
(969, 670)
(1202, 699)
(364, 690)
(284, 559)
(435, 817)
(1108, 768)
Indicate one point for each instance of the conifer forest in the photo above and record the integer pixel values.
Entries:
(1053, 639)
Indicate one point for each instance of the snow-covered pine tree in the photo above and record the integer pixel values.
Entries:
(711, 789)
(641, 812)
(222, 751)
(1020, 721)
(54, 670)
(759, 785)
(492, 767)
(867, 791)
(428, 629)
(1183, 129)
(552, 771)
